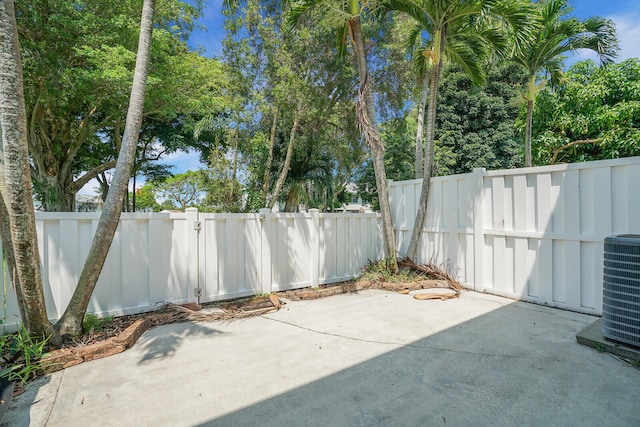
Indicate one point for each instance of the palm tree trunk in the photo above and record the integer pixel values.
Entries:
(287, 160)
(293, 200)
(71, 320)
(529, 124)
(17, 178)
(375, 142)
(7, 246)
(420, 132)
(416, 234)
(267, 167)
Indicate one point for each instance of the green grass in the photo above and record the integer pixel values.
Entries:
(21, 352)
(382, 270)
(94, 323)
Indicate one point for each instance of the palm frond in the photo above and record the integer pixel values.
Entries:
(412, 9)
(554, 70)
(600, 36)
(464, 55)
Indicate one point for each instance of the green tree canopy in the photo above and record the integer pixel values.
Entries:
(78, 67)
(542, 54)
(593, 113)
(475, 126)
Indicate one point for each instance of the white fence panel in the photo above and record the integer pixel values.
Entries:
(447, 235)
(346, 243)
(535, 234)
(230, 256)
(157, 258)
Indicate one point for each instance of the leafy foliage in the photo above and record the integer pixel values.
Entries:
(383, 270)
(22, 352)
(94, 323)
(594, 113)
(475, 125)
(78, 60)
(542, 54)
(271, 81)
(184, 190)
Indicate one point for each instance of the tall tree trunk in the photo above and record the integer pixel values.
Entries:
(287, 160)
(133, 194)
(17, 178)
(104, 185)
(71, 321)
(293, 200)
(420, 132)
(428, 161)
(125, 202)
(372, 135)
(7, 246)
(53, 194)
(234, 198)
(529, 124)
(267, 167)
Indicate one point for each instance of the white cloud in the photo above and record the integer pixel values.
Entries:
(628, 34)
(90, 188)
(182, 161)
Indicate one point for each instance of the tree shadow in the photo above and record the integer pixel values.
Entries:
(19, 413)
(525, 375)
(162, 342)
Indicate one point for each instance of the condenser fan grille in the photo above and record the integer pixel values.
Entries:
(621, 289)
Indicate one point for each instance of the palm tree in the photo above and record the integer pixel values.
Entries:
(461, 30)
(347, 17)
(15, 183)
(465, 47)
(543, 54)
(71, 321)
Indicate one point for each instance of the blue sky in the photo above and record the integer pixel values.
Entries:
(626, 14)
(209, 33)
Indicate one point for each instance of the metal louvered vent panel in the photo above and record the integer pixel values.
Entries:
(621, 295)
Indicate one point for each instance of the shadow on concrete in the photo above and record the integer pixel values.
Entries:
(18, 414)
(165, 342)
(486, 371)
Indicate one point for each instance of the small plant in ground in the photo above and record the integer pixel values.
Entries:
(599, 347)
(383, 270)
(21, 354)
(94, 323)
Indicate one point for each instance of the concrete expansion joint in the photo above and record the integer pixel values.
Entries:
(55, 398)
(390, 343)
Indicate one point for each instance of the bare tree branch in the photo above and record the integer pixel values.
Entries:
(76, 185)
(572, 144)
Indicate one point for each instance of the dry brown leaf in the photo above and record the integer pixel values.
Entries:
(275, 301)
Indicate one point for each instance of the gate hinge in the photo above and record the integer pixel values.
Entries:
(196, 225)
(197, 292)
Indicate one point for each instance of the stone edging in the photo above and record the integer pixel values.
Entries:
(67, 357)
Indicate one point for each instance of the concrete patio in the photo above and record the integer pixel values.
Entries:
(364, 359)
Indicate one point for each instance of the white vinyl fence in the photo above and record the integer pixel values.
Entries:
(174, 257)
(534, 234)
